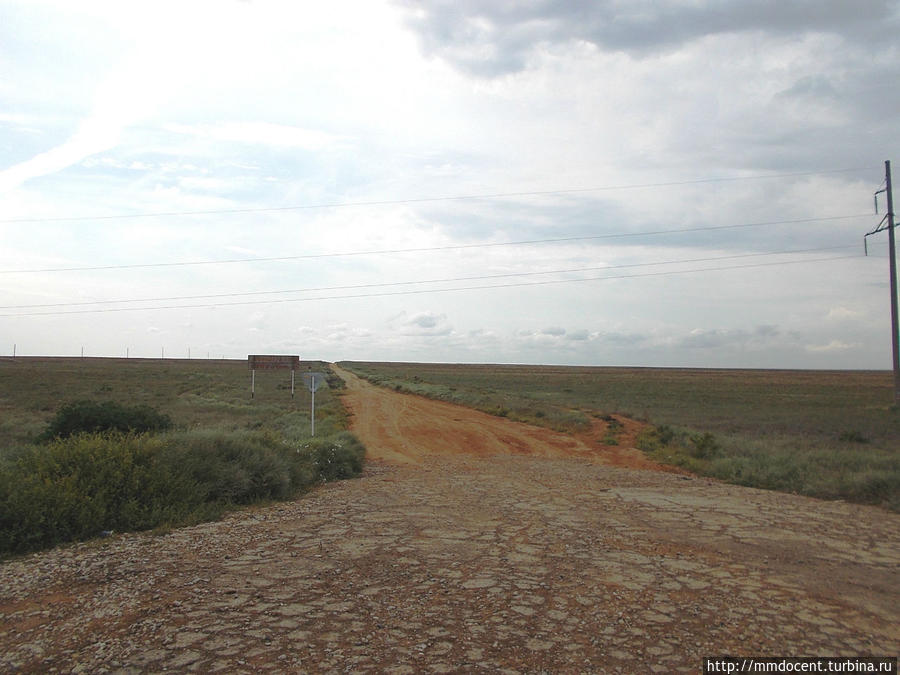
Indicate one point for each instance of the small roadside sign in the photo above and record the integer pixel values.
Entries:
(313, 382)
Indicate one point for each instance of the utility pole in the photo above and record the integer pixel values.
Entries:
(887, 223)
(892, 245)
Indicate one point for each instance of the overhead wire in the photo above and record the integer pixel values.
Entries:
(610, 235)
(426, 249)
(479, 277)
(419, 200)
(428, 290)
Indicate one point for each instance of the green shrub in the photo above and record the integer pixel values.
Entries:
(705, 446)
(78, 487)
(852, 437)
(236, 467)
(665, 434)
(654, 439)
(92, 417)
(337, 457)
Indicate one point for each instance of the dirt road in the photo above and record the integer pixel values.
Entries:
(438, 560)
(405, 429)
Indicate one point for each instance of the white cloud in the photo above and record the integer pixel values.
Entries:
(844, 314)
(832, 346)
(261, 133)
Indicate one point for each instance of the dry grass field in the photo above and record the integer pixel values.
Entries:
(91, 446)
(829, 434)
(196, 393)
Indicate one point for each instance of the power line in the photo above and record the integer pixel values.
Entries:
(424, 281)
(429, 290)
(451, 247)
(419, 200)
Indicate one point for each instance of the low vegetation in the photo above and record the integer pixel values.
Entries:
(500, 398)
(99, 466)
(833, 435)
(81, 417)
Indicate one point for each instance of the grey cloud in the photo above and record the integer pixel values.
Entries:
(494, 38)
(811, 87)
(715, 338)
(427, 324)
(554, 330)
(424, 320)
(621, 339)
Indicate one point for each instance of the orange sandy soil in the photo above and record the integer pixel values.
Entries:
(404, 428)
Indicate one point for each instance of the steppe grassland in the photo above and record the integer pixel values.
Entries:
(224, 449)
(830, 434)
(197, 394)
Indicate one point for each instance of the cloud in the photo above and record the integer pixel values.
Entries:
(426, 324)
(620, 339)
(833, 346)
(260, 133)
(94, 135)
(424, 321)
(722, 337)
(554, 330)
(843, 314)
(490, 39)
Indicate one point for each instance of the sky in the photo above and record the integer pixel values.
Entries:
(667, 183)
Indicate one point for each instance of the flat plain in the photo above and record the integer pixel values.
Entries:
(471, 543)
(829, 434)
(196, 393)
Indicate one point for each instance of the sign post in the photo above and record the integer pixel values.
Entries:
(313, 381)
(271, 362)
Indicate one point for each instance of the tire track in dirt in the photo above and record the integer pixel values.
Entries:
(404, 429)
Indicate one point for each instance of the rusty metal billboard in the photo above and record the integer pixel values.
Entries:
(273, 362)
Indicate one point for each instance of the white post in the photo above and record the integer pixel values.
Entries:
(252, 383)
(292, 383)
(312, 412)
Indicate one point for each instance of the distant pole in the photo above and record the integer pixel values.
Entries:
(252, 383)
(895, 323)
(127, 351)
(14, 350)
(312, 409)
(82, 352)
(292, 383)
